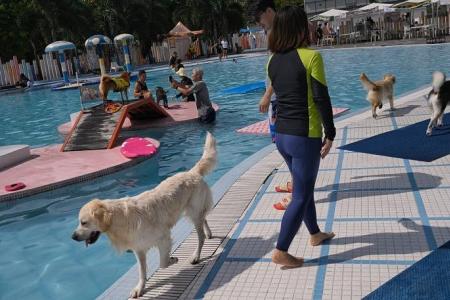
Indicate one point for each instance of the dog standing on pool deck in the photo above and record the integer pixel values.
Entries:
(379, 91)
(438, 99)
(144, 221)
(117, 84)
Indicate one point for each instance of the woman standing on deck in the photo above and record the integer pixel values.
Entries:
(298, 79)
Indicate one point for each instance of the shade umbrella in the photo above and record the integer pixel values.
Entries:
(97, 42)
(124, 39)
(60, 47)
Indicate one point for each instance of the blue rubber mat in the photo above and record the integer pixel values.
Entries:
(428, 279)
(245, 88)
(409, 142)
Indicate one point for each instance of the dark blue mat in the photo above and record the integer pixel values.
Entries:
(428, 279)
(409, 142)
(245, 88)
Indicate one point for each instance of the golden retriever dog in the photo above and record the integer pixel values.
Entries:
(144, 221)
(117, 84)
(379, 91)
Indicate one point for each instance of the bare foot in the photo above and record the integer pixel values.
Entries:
(318, 238)
(285, 259)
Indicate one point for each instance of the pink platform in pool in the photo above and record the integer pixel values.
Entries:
(48, 168)
(262, 127)
(178, 113)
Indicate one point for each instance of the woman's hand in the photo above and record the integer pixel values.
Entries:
(326, 147)
(264, 104)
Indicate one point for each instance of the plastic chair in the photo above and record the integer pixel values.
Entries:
(115, 67)
(406, 31)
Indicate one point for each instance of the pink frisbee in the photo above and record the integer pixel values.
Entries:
(137, 146)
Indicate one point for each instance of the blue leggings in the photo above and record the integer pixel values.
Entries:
(302, 155)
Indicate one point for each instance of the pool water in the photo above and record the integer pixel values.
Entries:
(38, 258)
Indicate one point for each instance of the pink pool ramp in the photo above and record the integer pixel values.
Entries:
(96, 129)
(176, 113)
(48, 169)
(262, 127)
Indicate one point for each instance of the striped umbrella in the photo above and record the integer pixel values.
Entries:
(97, 40)
(123, 39)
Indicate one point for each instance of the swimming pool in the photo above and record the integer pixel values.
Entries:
(39, 260)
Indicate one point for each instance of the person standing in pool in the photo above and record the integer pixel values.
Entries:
(304, 110)
(206, 112)
(263, 12)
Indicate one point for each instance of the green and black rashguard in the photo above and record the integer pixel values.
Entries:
(298, 79)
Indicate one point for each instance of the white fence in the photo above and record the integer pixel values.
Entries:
(160, 52)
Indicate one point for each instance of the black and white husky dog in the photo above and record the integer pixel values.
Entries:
(438, 99)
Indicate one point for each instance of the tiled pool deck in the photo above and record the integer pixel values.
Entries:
(387, 213)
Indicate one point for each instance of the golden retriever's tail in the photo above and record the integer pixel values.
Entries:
(209, 157)
(106, 78)
(102, 88)
(368, 85)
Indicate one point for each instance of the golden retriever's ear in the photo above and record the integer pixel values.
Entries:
(101, 213)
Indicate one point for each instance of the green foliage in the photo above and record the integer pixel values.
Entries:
(216, 17)
(281, 3)
(27, 26)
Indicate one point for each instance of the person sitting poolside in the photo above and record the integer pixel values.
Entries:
(141, 90)
(206, 112)
(23, 81)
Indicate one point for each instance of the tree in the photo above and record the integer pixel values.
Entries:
(281, 3)
(217, 17)
(27, 26)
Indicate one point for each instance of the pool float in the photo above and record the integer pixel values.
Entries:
(113, 107)
(15, 186)
(137, 146)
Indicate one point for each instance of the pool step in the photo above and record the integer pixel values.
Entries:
(13, 154)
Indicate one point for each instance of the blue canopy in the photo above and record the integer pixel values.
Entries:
(59, 46)
(96, 40)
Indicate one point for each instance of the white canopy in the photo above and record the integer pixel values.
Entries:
(374, 6)
(411, 3)
(59, 46)
(123, 37)
(333, 13)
